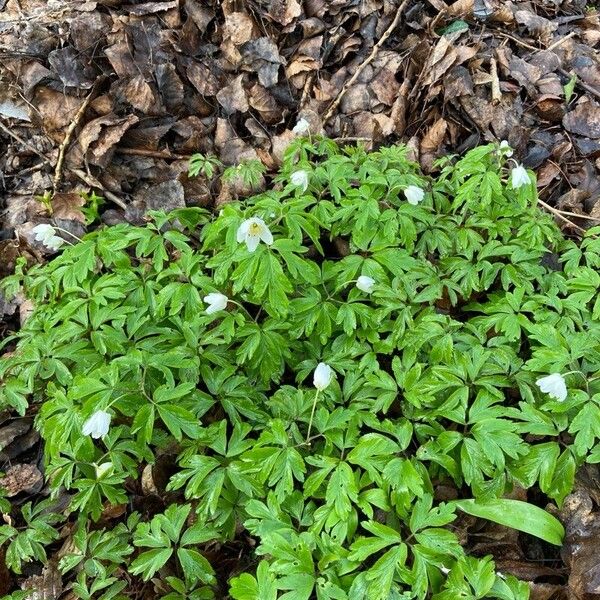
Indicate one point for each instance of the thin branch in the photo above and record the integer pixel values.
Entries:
(67, 139)
(152, 153)
(559, 214)
(19, 139)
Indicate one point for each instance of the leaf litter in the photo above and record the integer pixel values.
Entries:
(136, 88)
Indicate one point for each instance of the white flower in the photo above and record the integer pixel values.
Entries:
(504, 145)
(103, 469)
(554, 385)
(322, 376)
(414, 194)
(216, 302)
(519, 177)
(97, 425)
(300, 179)
(301, 127)
(365, 284)
(46, 234)
(252, 231)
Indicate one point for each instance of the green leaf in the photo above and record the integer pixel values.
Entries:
(517, 515)
(569, 87)
(195, 566)
(148, 563)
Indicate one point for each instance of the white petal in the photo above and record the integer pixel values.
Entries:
(519, 177)
(97, 425)
(54, 242)
(504, 145)
(301, 127)
(252, 242)
(554, 385)
(414, 194)
(266, 236)
(365, 284)
(242, 231)
(300, 179)
(216, 302)
(43, 229)
(103, 469)
(43, 232)
(322, 376)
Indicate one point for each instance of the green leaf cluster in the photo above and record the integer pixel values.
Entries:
(476, 295)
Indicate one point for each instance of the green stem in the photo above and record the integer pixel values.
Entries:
(68, 233)
(312, 414)
(242, 307)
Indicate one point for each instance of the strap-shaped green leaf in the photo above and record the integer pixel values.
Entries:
(517, 515)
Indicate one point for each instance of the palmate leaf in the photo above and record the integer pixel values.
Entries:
(247, 587)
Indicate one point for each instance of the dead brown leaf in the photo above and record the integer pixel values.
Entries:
(202, 78)
(56, 111)
(262, 56)
(98, 137)
(22, 478)
(431, 144)
(284, 11)
(233, 97)
(147, 8)
(536, 25)
(584, 119)
(67, 205)
(581, 549)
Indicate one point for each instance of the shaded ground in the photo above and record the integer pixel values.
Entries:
(115, 97)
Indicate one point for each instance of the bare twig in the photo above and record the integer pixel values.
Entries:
(306, 90)
(67, 139)
(579, 216)
(93, 182)
(561, 216)
(561, 41)
(152, 153)
(19, 139)
(496, 94)
(516, 40)
(333, 106)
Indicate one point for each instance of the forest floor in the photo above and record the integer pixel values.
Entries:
(114, 97)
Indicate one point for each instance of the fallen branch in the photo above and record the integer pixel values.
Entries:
(67, 139)
(333, 106)
(152, 153)
(560, 215)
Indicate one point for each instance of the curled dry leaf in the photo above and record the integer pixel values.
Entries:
(431, 143)
(147, 481)
(13, 430)
(98, 137)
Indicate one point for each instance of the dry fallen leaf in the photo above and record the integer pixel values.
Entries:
(67, 205)
(584, 119)
(22, 478)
